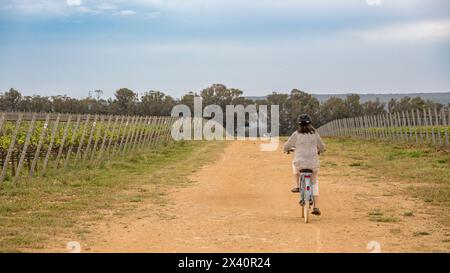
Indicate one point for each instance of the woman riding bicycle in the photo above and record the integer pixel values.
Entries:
(307, 144)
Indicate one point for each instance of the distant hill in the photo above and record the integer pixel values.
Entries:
(443, 98)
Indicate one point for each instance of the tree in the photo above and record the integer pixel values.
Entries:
(98, 93)
(35, 104)
(300, 102)
(125, 102)
(291, 105)
(188, 100)
(408, 104)
(156, 103)
(280, 100)
(10, 100)
(219, 94)
(65, 104)
(374, 107)
(333, 108)
(353, 105)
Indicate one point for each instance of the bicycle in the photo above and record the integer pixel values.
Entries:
(306, 191)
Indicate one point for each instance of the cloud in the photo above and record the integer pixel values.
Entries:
(73, 2)
(153, 14)
(49, 7)
(106, 6)
(373, 2)
(83, 9)
(422, 31)
(225, 8)
(236, 6)
(127, 12)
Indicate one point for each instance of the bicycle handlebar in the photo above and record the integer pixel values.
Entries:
(291, 150)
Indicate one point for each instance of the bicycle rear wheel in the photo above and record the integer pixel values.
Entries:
(305, 213)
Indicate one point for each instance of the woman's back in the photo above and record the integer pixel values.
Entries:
(307, 146)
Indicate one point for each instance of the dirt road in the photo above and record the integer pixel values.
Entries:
(243, 203)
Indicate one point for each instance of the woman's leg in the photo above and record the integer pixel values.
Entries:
(296, 178)
(315, 181)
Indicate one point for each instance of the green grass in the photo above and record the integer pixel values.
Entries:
(378, 216)
(412, 130)
(64, 204)
(423, 170)
(385, 219)
(376, 213)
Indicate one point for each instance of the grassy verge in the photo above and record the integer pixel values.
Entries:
(36, 211)
(426, 169)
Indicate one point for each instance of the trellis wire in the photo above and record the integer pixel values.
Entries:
(43, 140)
(425, 126)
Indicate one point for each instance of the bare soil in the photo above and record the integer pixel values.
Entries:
(242, 203)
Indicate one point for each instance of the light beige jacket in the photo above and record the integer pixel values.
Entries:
(306, 147)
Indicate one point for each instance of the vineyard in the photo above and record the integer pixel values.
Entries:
(31, 143)
(416, 127)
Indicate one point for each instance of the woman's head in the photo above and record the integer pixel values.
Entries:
(305, 125)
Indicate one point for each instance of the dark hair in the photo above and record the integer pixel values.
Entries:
(306, 129)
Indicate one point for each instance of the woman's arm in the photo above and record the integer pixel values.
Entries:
(290, 143)
(320, 144)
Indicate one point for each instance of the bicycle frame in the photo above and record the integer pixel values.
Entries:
(306, 193)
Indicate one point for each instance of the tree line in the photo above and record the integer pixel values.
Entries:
(157, 103)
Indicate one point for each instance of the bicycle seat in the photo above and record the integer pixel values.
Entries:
(306, 171)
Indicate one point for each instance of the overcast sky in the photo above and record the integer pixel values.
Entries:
(51, 47)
